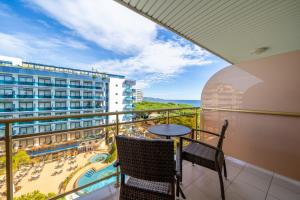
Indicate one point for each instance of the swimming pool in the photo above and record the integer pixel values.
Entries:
(92, 175)
(99, 157)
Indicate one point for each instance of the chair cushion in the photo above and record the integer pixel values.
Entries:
(199, 154)
(145, 190)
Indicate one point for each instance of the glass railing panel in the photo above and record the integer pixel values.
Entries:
(75, 97)
(45, 108)
(7, 96)
(60, 97)
(25, 83)
(25, 96)
(44, 96)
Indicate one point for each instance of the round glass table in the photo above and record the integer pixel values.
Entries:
(169, 130)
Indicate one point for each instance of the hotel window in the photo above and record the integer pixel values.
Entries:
(26, 79)
(60, 104)
(77, 135)
(26, 143)
(25, 91)
(45, 140)
(75, 93)
(60, 81)
(60, 113)
(98, 94)
(87, 123)
(44, 114)
(60, 138)
(87, 83)
(26, 130)
(76, 83)
(45, 128)
(6, 116)
(75, 104)
(88, 133)
(98, 122)
(75, 125)
(6, 105)
(27, 105)
(98, 104)
(45, 80)
(6, 77)
(98, 84)
(87, 103)
(25, 115)
(44, 92)
(6, 91)
(87, 94)
(60, 127)
(44, 104)
(60, 93)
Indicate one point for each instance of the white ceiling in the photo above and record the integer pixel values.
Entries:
(231, 29)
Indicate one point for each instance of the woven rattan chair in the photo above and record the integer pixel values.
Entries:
(206, 155)
(150, 166)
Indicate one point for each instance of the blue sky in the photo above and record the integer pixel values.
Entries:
(107, 37)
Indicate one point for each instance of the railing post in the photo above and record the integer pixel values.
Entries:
(117, 124)
(9, 173)
(168, 117)
(196, 124)
(117, 133)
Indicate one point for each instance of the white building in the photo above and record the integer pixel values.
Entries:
(138, 95)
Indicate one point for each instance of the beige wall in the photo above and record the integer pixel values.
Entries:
(269, 84)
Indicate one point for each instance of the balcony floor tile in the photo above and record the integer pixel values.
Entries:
(245, 182)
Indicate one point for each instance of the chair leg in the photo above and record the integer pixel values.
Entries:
(225, 170)
(221, 184)
(177, 188)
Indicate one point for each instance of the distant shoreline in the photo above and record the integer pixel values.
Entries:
(195, 103)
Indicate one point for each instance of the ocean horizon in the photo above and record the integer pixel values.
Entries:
(195, 103)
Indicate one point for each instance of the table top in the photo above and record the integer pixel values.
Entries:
(169, 130)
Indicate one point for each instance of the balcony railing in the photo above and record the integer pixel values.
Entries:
(118, 127)
(29, 96)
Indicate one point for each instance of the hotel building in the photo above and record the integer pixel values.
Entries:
(34, 90)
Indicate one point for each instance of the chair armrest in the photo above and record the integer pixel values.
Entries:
(178, 160)
(202, 143)
(204, 131)
(116, 164)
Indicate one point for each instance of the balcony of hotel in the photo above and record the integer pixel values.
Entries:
(258, 95)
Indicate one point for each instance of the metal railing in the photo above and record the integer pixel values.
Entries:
(8, 138)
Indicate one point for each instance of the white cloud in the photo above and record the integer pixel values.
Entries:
(158, 61)
(44, 49)
(111, 26)
(104, 22)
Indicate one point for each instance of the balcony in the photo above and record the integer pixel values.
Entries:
(61, 85)
(25, 109)
(26, 83)
(88, 97)
(7, 96)
(87, 107)
(60, 108)
(25, 96)
(75, 97)
(75, 107)
(4, 82)
(44, 96)
(7, 109)
(44, 108)
(75, 86)
(45, 84)
(87, 86)
(198, 182)
(60, 97)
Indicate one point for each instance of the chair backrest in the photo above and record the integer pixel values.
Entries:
(146, 159)
(222, 134)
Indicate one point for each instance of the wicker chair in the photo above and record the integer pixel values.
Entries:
(206, 155)
(149, 164)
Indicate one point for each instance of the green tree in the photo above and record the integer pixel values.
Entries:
(35, 195)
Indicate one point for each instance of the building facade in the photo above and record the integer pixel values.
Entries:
(34, 90)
